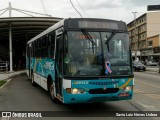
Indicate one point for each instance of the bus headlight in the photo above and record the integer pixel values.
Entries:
(78, 91)
(128, 88)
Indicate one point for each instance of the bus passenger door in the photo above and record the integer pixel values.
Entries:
(59, 64)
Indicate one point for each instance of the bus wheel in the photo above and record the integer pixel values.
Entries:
(51, 92)
(33, 83)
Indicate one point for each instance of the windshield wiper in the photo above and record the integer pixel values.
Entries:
(88, 36)
(109, 39)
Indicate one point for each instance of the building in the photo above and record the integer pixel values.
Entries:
(153, 48)
(144, 34)
(14, 34)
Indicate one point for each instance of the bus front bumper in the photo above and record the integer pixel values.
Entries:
(91, 98)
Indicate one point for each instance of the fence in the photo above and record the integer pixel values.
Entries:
(3, 66)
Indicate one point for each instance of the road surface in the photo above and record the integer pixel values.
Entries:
(20, 95)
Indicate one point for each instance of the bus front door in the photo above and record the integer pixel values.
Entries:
(59, 64)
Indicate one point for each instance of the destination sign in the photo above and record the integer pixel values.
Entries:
(99, 25)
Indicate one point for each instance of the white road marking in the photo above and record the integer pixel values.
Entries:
(146, 106)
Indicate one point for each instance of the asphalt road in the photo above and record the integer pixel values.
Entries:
(20, 95)
(147, 90)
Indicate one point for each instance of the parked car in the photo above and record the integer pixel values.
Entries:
(138, 66)
(150, 63)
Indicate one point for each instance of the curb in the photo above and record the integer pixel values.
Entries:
(8, 75)
(7, 81)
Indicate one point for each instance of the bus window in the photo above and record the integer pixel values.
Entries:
(117, 53)
(51, 43)
(82, 53)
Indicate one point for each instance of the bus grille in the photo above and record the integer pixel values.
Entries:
(103, 91)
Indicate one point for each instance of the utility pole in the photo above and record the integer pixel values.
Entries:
(135, 34)
(10, 40)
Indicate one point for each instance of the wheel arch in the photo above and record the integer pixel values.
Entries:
(49, 80)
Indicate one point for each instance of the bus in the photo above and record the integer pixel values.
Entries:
(82, 60)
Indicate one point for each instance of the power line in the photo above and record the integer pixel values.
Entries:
(44, 7)
(82, 8)
(75, 8)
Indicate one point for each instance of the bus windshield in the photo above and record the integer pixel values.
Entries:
(86, 54)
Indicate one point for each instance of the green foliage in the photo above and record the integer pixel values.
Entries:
(2, 82)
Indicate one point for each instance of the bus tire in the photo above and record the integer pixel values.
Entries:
(33, 83)
(51, 93)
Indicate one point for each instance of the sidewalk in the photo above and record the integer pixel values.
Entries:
(10, 74)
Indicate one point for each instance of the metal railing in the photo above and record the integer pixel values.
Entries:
(3, 66)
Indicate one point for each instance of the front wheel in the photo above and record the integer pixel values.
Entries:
(51, 92)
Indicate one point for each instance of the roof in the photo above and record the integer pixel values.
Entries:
(24, 27)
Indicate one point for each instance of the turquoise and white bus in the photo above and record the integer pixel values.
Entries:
(82, 60)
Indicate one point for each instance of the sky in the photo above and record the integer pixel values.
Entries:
(108, 9)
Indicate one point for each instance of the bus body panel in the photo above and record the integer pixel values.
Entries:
(95, 90)
(42, 69)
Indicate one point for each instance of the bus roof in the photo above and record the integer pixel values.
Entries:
(57, 25)
(79, 23)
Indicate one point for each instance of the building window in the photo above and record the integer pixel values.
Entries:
(144, 27)
(150, 43)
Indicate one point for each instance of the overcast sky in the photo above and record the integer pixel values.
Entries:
(109, 9)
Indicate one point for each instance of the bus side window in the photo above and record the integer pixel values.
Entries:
(43, 46)
(49, 46)
(33, 48)
(36, 48)
(52, 45)
(40, 47)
